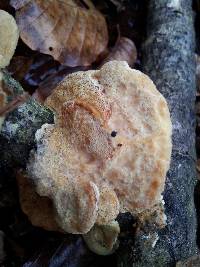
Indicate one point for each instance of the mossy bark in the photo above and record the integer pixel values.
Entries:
(17, 136)
(169, 61)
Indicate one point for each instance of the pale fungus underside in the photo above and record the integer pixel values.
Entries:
(108, 151)
(9, 37)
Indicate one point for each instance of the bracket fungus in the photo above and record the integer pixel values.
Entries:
(108, 151)
(102, 239)
(9, 37)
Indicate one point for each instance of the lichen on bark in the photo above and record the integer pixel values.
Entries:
(17, 135)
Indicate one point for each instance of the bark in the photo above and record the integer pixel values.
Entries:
(17, 136)
(169, 61)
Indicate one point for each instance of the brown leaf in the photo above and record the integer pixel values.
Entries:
(41, 68)
(38, 209)
(19, 66)
(124, 50)
(73, 32)
(46, 87)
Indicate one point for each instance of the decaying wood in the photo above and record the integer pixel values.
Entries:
(169, 61)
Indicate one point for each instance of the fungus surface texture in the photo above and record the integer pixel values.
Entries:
(9, 37)
(109, 149)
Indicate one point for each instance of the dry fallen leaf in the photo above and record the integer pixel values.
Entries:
(19, 67)
(73, 32)
(38, 209)
(124, 50)
(46, 87)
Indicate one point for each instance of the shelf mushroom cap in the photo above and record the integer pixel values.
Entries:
(9, 37)
(109, 149)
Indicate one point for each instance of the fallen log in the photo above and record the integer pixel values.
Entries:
(169, 61)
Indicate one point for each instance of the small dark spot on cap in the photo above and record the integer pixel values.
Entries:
(114, 133)
(119, 145)
(50, 48)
